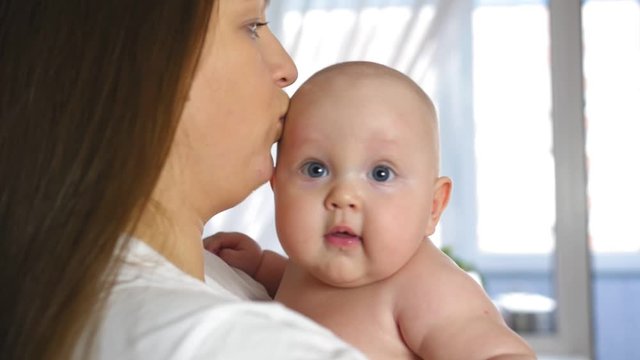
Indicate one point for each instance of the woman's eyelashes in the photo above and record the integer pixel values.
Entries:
(254, 26)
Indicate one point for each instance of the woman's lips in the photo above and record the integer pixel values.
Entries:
(280, 128)
(342, 236)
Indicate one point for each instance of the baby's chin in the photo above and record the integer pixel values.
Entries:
(345, 279)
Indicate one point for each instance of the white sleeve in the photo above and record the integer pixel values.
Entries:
(270, 331)
(223, 278)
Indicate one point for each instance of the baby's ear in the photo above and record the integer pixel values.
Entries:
(441, 193)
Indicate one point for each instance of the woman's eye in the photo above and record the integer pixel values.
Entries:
(253, 28)
(382, 173)
(314, 169)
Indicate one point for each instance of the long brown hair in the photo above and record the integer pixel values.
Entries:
(90, 93)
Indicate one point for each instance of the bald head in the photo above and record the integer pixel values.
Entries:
(364, 73)
(361, 85)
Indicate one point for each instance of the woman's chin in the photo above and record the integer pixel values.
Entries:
(259, 174)
(264, 171)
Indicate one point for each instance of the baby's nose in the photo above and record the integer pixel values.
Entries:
(343, 196)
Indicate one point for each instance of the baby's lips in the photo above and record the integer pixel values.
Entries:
(342, 236)
(342, 230)
(342, 240)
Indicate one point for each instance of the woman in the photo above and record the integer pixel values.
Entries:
(125, 125)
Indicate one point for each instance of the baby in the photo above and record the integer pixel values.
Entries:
(357, 193)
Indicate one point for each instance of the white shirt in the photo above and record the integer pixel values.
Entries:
(156, 311)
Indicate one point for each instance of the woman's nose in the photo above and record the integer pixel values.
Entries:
(343, 196)
(282, 66)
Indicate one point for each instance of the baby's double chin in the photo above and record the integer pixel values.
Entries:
(346, 282)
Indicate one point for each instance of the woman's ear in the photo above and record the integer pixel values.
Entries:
(441, 193)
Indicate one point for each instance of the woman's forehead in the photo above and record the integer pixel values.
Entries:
(251, 4)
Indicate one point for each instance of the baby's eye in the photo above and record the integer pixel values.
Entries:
(314, 169)
(382, 173)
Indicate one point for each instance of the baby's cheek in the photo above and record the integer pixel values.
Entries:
(290, 231)
(396, 240)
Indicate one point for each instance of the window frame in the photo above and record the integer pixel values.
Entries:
(572, 258)
(571, 262)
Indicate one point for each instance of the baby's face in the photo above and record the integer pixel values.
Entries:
(355, 179)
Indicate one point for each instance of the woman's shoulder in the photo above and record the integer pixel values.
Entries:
(144, 269)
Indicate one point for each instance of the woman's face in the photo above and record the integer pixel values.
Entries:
(234, 111)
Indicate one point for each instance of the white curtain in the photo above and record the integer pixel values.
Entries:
(425, 39)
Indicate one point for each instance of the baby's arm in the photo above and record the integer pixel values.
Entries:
(242, 252)
(449, 316)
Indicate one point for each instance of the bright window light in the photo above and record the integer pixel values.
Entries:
(512, 107)
(612, 77)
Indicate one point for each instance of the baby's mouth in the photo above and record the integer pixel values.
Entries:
(342, 236)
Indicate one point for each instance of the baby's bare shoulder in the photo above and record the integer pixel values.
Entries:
(430, 269)
(434, 281)
(442, 308)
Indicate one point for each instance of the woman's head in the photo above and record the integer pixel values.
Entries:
(104, 106)
(90, 98)
(233, 114)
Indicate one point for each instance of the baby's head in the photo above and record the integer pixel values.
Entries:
(356, 182)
